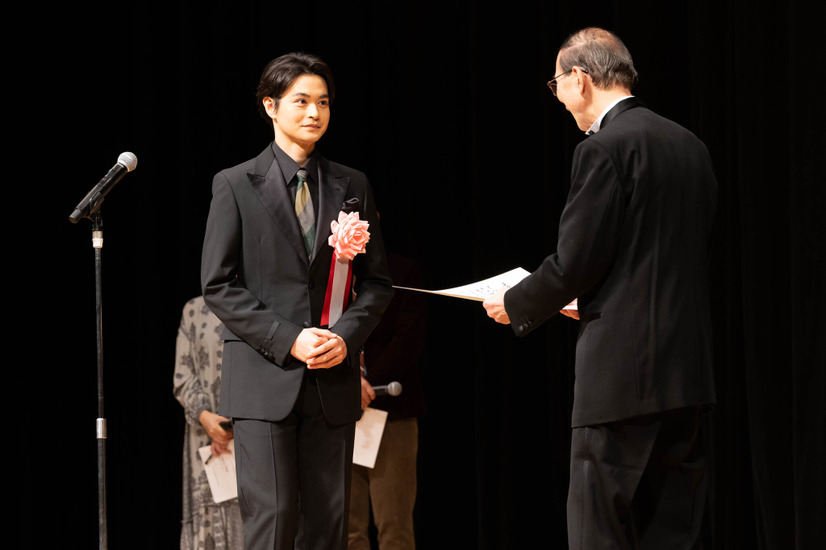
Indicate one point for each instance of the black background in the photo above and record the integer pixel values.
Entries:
(444, 106)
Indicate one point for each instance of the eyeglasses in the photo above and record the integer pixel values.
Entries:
(552, 82)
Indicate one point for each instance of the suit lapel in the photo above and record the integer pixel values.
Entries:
(332, 189)
(268, 183)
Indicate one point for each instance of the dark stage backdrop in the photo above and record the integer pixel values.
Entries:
(445, 107)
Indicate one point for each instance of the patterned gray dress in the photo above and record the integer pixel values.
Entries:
(197, 382)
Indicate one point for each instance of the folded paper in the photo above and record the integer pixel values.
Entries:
(220, 472)
(369, 430)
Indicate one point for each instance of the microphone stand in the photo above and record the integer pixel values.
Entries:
(100, 424)
(90, 207)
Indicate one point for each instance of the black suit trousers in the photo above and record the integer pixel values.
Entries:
(639, 484)
(294, 476)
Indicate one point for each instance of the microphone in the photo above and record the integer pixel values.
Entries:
(393, 388)
(92, 201)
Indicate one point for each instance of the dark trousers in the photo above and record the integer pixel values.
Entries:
(291, 472)
(639, 483)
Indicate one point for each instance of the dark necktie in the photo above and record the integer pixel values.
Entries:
(304, 211)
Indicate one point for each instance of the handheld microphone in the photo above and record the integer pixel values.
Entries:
(393, 388)
(92, 201)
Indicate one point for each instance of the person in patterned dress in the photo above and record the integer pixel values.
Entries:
(205, 525)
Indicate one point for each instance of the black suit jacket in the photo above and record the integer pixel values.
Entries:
(633, 248)
(258, 280)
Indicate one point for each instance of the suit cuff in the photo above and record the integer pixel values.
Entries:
(277, 348)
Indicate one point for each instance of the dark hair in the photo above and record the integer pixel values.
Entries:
(281, 72)
(602, 54)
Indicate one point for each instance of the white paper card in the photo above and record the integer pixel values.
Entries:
(482, 289)
(220, 472)
(369, 430)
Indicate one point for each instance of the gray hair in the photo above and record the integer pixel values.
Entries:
(602, 54)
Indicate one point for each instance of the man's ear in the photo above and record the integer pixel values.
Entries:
(270, 106)
(581, 77)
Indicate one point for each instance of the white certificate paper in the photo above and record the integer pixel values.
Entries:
(369, 430)
(220, 472)
(480, 290)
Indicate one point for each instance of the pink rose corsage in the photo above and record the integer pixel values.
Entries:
(350, 235)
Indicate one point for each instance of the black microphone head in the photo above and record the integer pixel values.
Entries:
(129, 160)
(394, 388)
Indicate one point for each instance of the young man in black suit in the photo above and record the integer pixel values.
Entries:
(633, 250)
(290, 378)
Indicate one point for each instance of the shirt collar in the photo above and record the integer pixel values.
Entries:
(595, 126)
(289, 167)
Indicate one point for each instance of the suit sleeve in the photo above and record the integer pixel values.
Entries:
(240, 310)
(589, 230)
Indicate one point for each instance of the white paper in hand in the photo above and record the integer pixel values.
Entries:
(482, 289)
(369, 430)
(220, 472)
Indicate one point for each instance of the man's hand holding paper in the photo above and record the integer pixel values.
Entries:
(491, 292)
(495, 306)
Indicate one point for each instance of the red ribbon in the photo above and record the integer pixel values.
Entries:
(338, 291)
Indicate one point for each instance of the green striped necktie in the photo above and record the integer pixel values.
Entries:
(304, 211)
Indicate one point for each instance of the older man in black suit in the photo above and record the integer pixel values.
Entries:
(633, 250)
(290, 377)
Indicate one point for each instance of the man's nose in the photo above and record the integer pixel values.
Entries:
(312, 111)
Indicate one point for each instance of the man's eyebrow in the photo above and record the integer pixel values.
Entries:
(303, 94)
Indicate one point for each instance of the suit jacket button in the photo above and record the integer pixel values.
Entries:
(306, 324)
